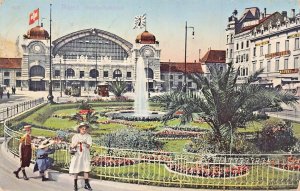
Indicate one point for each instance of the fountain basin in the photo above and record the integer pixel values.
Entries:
(130, 115)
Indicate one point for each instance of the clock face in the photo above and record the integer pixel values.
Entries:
(37, 48)
(148, 52)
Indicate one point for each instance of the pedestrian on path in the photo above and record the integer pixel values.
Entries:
(7, 94)
(25, 152)
(80, 161)
(43, 162)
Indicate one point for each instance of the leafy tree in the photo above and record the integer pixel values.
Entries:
(276, 135)
(118, 88)
(221, 102)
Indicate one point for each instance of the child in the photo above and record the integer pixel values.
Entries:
(43, 162)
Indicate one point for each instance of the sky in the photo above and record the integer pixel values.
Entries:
(165, 19)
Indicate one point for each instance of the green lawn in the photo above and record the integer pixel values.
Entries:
(172, 145)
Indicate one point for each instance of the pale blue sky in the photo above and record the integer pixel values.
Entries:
(165, 19)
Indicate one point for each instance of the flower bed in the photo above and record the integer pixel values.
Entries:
(111, 161)
(214, 171)
(170, 133)
(292, 164)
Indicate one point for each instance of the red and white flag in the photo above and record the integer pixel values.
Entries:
(34, 16)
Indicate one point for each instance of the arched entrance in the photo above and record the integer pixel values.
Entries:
(36, 82)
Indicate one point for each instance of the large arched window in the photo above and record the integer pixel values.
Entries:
(117, 74)
(149, 73)
(94, 73)
(70, 72)
(37, 71)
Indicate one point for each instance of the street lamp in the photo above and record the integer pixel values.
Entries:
(186, 27)
(50, 96)
(148, 76)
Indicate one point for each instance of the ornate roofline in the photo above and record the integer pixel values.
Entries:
(60, 42)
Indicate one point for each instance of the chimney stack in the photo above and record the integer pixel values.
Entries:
(293, 13)
(265, 12)
(284, 13)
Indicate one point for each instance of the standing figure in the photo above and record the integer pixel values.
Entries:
(43, 162)
(80, 161)
(7, 94)
(25, 152)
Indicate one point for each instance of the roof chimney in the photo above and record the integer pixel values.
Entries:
(265, 12)
(284, 13)
(293, 13)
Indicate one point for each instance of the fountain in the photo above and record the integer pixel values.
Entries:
(141, 111)
(140, 101)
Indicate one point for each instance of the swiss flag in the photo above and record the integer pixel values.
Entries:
(33, 16)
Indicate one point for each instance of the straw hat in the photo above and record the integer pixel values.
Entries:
(46, 143)
(27, 127)
(83, 124)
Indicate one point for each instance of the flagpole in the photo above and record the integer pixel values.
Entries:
(50, 96)
(39, 17)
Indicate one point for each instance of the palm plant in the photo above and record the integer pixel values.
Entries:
(221, 102)
(118, 88)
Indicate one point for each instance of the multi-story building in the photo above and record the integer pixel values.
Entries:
(213, 58)
(173, 74)
(10, 72)
(270, 41)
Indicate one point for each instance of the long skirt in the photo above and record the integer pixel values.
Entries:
(26, 155)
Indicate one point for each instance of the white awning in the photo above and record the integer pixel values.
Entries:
(36, 78)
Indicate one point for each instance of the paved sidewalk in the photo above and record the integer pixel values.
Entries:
(63, 181)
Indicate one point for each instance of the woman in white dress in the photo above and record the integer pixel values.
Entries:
(81, 160)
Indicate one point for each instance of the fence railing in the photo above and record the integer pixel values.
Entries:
(19, 108)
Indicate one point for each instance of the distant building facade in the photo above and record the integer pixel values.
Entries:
(89, 57)
(270, 41)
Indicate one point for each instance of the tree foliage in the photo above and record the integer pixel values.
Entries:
(118, 88)
(221, 102)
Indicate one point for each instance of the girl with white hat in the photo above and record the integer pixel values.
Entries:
(81, 160)
(43, 162)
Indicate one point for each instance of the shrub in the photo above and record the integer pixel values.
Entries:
(276, 135)
(130, 138)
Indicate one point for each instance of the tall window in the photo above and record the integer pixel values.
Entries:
(268, 66)
(277, 46)
(276, 65)
(117, 74)
(70, 72)
(254, 51)
(227, 53)
(242, 45)
(287, 45)
(105, 74)
(57, 73)
(286, 63)
(81, 75)
(18, 74)
(230, 53)
(227, 38)
(260, 64)
(94, 73)
(269, 48)
(128, 74)
(6, 82)
(296, 62)
(296, 43)
(231, 37)
(6, 73)
(237, 46)
(254, 67)
(247, 43)
(261, 51)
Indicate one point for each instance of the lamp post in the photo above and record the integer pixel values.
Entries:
(96, 67)
(185, 46)
(50, 96)
(60, 78)
(148, 77)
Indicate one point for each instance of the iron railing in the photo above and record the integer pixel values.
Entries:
(19, 108)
